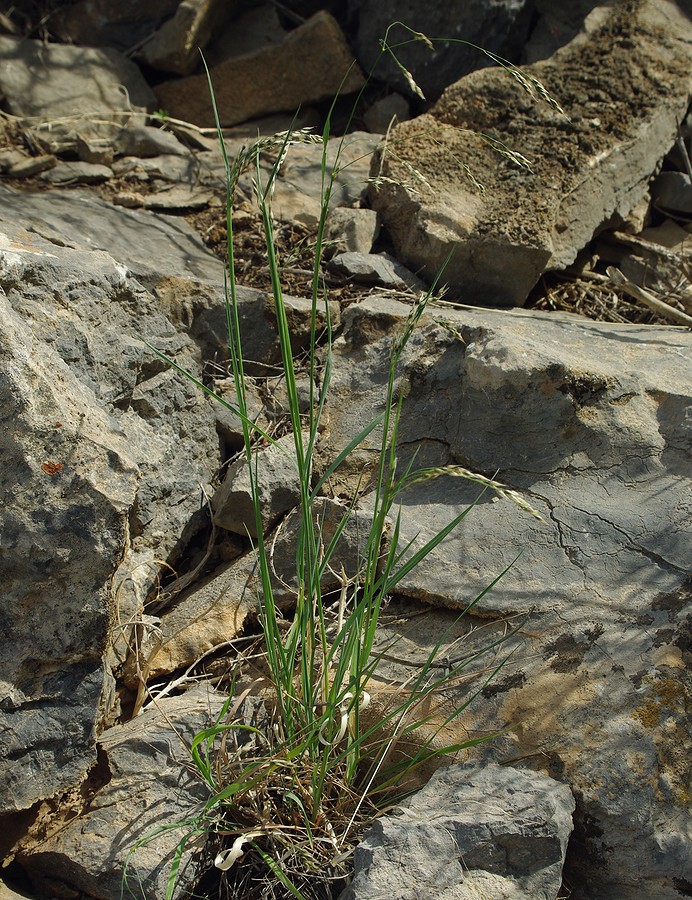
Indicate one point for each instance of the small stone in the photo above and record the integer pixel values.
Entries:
(376, 268)
(129, 199)
(32, 165)
(180, 196)
(77, 173)
(9, 158)
(390, 109)
(353, 230)
(146, 141)
(90, 151)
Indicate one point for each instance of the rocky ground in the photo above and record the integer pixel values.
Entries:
(555, 357)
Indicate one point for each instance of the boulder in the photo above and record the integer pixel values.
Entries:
(589, 422)
(143, 786)
(312, 63)
(175, 46)
(69, 482)
(472, 831)
(276, 479)
(499, 26)
(450, 182)
(105, 451)
(122, 24)
(93, 81)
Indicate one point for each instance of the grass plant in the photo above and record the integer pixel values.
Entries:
(298, 765)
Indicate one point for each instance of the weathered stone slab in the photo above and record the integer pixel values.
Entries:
(91, 80)
(149, 784)
(214, 612)
(590, 423)
(471, 832)
(585, 171)
(307, 66)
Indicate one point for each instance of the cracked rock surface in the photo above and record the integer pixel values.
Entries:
(584, 420)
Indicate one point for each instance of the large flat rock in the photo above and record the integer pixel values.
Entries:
(624, 82)
(591, 424)
(104, 452)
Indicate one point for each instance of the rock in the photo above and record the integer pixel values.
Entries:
(268, 80)
(172, 168)
(352, 230)
(261, 349)
(276, 482)
(94, 151)
(145, 141)
(161, 246)
(588, 422)
(298, 193)
(10, 157)
(77, 173)
(110, 447)
(69, 482)
(208, 616)
(499, 26)
(256, 29)
(122, 24)
(91, 80)
(228, 424)
(213, 613)
(385, 112)
(556, 25)
(375, 268)
(178, 196)
(584, 172)
(144, 780)
(176, 45)
(31, 165)
(671, 235)
(671, 193)
(473, 831)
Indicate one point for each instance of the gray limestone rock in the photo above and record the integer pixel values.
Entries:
(146, 141)
(68, 483)
(352, 230)
(92, 80)
(77, 173)
(590, 423)
(105, 452)
(472, 831)
(375, 269)
(498, 26)
(143, 780)
(277, 482)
